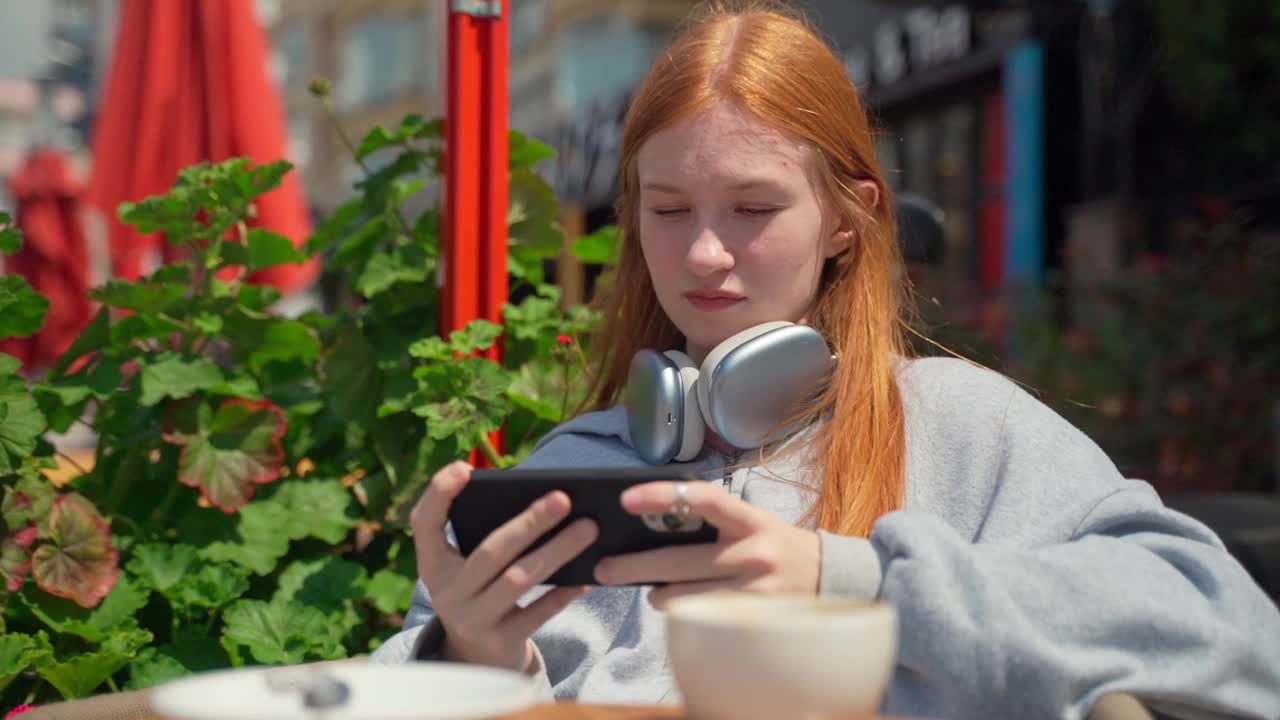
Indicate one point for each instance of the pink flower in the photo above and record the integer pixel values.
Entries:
(19, 710)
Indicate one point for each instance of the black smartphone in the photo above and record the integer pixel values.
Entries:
(493, 497)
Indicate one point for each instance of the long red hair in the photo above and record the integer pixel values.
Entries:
(776, 68)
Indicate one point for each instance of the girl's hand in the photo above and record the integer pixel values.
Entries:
(756, 552)
(476, 596)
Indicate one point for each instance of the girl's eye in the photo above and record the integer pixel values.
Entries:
(757, 211)
(668, 212)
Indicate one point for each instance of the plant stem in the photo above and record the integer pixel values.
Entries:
(490, 452)
(123, 479)
(31, 696)
(332, 115)
(159, 512)
(564, 393)
(111, 683)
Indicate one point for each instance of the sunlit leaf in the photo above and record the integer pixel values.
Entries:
(213, 587)
(79, 561)
(152, 667)
(177, 377)
(280, 632)
(269, 249)
(526, 152)
(599, 248)
(84, 673)
(160, 566)
(477, 335)
(19, 651)
(230, 452)
(331, 585)
(390, 591)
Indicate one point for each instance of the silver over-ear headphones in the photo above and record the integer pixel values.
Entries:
(747, 385)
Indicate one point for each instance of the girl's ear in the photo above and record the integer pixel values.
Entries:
(843, 236)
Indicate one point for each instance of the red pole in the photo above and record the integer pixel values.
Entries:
(475, 212)
(493, 188)
(460, 301)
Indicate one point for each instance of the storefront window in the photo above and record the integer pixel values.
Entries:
(382, 58)
(601, 59)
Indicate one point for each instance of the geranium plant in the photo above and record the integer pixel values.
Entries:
(252, 474)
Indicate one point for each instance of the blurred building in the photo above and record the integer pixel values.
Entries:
(49, 77)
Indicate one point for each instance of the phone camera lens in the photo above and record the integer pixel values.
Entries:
(672, 521)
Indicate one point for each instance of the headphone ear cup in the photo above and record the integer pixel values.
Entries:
(706, 391)
(695, 429)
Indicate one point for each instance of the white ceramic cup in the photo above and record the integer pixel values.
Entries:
(740, 656)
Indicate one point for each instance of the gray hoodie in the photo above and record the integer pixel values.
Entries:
(1029, 576)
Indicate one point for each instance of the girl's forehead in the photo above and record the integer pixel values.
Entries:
(719, 139)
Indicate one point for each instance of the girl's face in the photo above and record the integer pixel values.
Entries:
(732, 227)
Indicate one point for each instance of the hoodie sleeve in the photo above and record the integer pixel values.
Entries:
(1130, 597)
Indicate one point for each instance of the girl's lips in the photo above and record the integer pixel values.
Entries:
(712, 304)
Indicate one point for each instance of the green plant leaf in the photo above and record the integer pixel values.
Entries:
(235, 449)
(601, 247)
(334, 228)
(241, 387)
(152, 667)
(161, 566)
(390, 591)
(120, 605)
(257, 298)
(539, 390)
(207, 323)
(318, 508)
(384, 270)
(352, 381)
(19, 652)
(10, 235)
(176, 377)
(22, 310)
(191, 651)
(525, 152)
(96, 336)
(20, 423)
(259, 544)
(278, 633)
(79, 562)
(375, 140)
(476, 335)
(84, 673)
(285, 340)
(532, 220)
(26, 501)
(431, 348)
(330, 584)
(213, 587)
(269, 249)
(15, 556)
(300, 508)
(141, 297)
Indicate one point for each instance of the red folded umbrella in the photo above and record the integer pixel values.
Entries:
(189, 83)
(54, 257)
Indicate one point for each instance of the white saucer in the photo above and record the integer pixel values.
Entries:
(416, 691)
